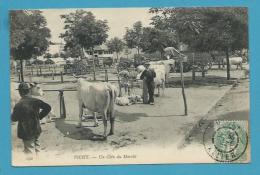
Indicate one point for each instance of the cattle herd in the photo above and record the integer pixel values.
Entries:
(100, 97)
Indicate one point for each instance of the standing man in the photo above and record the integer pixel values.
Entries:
(28, 112)
(148, 76)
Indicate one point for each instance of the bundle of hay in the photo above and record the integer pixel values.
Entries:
(123, 101)
(128, 100)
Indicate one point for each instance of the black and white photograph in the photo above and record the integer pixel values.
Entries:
(111, 86)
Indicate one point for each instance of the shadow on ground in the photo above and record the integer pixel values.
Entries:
(206, 127)
(209, 80)
(71, 131)
(128, 117)
(131, 117)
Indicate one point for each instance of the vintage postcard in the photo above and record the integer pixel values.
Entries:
(108, 86)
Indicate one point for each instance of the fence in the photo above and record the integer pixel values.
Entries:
(62, 106)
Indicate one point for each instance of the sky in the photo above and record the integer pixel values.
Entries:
(118, 19)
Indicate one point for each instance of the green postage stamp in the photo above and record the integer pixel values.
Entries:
(228, 141)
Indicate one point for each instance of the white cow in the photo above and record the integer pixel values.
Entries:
(160, 72)
(97, 97)
(234, 61)
(160, 79)
(168, 65)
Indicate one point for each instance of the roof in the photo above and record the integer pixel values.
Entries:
(41, 58)
(58, 60)
(55, 48)
(100, 47)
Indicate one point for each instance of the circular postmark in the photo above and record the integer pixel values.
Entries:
(225, 141)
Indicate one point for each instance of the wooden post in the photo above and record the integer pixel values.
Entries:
(61, 77)
(193, 73)
(106, 75)
(193, 68)
(30, 78)
(120, 91)
(94, 68)
(219, 65)
(32, 70)
(62, 105)
(52, 74)
(145, 92)
(228, 64)
(203, 73)
(19, 77)
(21, 71)
(37, 71)
(40, 70)
(183, 92)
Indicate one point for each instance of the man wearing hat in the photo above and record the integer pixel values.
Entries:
(148, 76)
(28, 112)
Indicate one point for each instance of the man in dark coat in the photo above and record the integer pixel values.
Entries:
(28, 112)
(148, 76)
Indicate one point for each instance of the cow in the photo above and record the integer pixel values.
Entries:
(234, 61)
(160, 78)
(35, 90)
(97, 97)
(169, 64)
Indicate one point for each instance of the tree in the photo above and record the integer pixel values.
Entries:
(133, 36)
(154, 39)
(127, 52)
(206, 29)
(29, 35)
(83, 31)
(115, 45)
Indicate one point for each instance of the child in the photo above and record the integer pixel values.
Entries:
(28, 112)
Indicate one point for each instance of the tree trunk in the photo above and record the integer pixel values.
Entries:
(228, 64)
(94, 63)
(161, 55)
(117, 57)
(21, 70)
(183, 92)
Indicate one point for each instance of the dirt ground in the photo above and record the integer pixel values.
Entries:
(137, 127)
(234, 106)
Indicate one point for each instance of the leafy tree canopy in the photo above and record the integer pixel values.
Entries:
(205, 29)
(115, 45)
(29, 34)
(133, 36)
(154, 39)
(83, 30)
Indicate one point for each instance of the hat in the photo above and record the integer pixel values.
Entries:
(23, 86)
